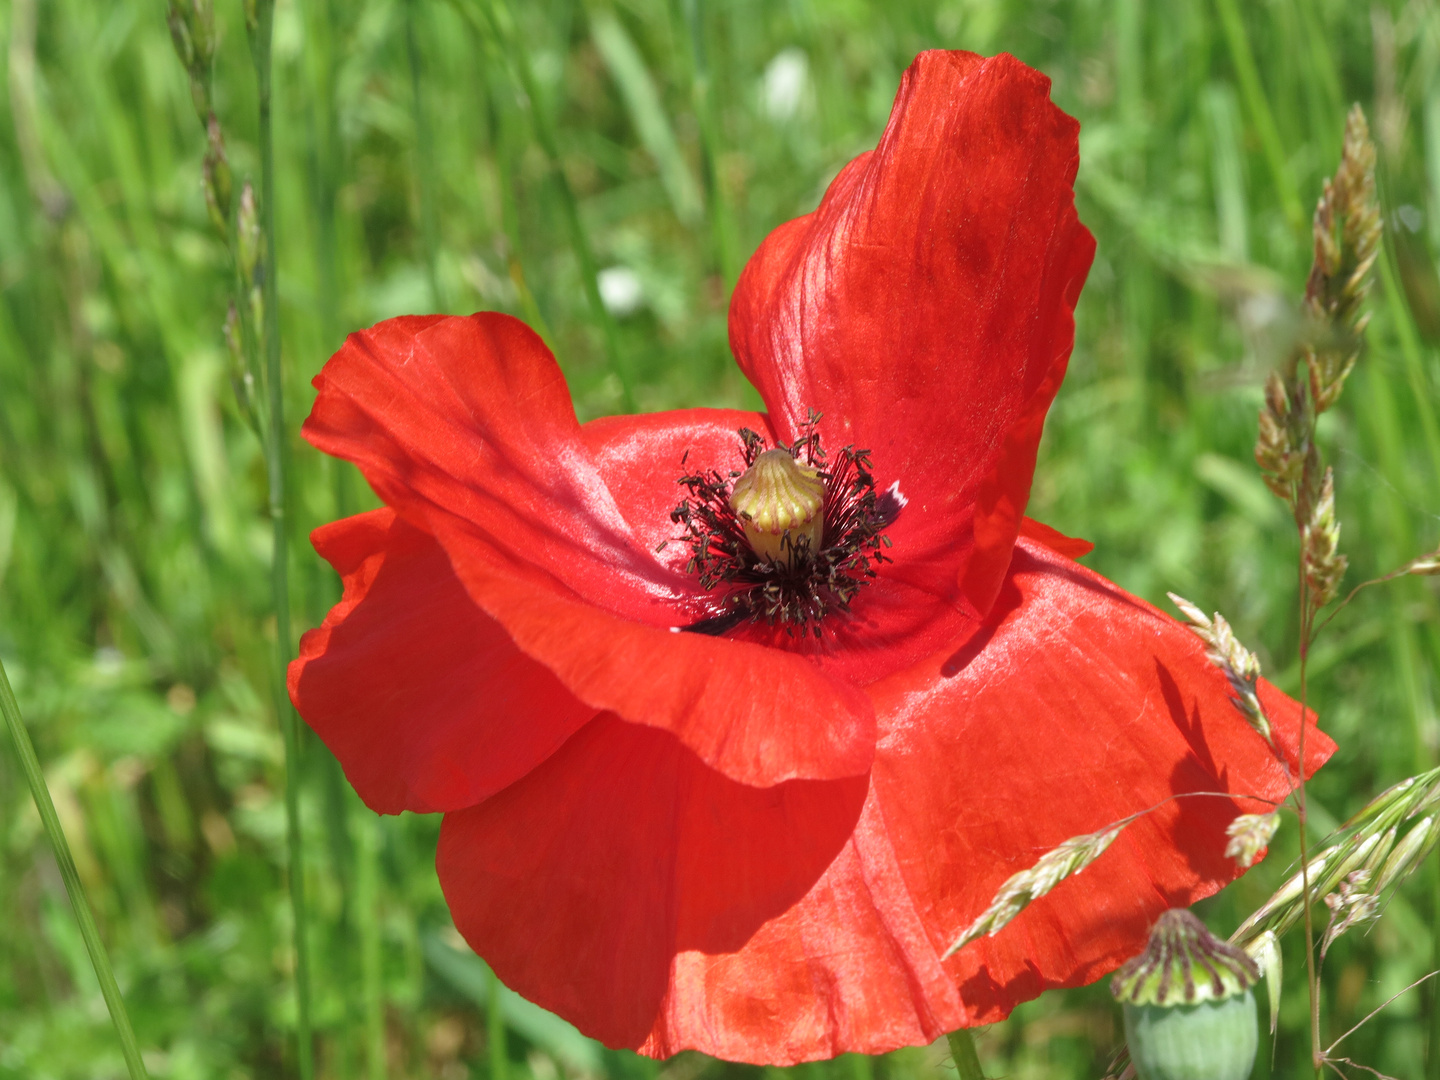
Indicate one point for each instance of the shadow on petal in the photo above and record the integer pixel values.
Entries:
(581, 883)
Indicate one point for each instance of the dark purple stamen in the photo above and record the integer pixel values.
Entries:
(799, 594)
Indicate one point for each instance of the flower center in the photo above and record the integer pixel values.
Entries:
(791, 539)
(779, 502)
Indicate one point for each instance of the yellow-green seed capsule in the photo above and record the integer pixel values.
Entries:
(1188, 1003)
(781, 503)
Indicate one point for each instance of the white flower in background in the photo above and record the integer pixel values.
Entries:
(784, 84)
(621, 290)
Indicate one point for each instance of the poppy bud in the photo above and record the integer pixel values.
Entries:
(779, 501)
(1189, 1006)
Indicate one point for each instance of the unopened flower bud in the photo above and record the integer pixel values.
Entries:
(1189, 1004)
(176, 17)
(1427, 565)
(781, 503)
(1414, 847)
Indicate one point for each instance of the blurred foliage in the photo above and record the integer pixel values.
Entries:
(415, 174)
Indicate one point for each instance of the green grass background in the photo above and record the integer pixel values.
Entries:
(133, 540)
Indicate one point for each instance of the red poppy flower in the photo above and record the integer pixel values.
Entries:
(754, 841)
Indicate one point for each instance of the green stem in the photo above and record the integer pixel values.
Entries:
(279, 569)
(495, 1030)
(722, 232)
(425, 168)
(30, 765)
(1253, 91)
(1312, 976)
(967, 1061)
(1432, 1043)
(324, 160)
(502, 141)
(367, 917)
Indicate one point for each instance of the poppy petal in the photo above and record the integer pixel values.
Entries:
(1113, 708)
(579, 883)
(759, 715)
(657, 905)
(926, 307)
(423, 697)
(1069, 546)
(472, 417)
(464, 426)
(642, 458)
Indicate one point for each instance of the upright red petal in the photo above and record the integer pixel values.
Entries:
(423, 697)
(471, 418)
(926, 307)
(464, 426)
(657, 905)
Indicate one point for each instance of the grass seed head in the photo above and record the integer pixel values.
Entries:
(1249, 835)
(1346, 233)
(1324, 567)
(1021, 889)
(1240, 665)
(1351, 905)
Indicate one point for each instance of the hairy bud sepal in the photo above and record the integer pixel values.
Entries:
(1189, 1004)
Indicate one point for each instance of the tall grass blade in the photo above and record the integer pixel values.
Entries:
(1412, 352)
(722, 229)
(495, 1031)
(1242, 57)
(500, 21)
(424, 156)
(367, 920)
(642, 102)
(40, 792)
(504, 144)
(275, 435)
(472, 977)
